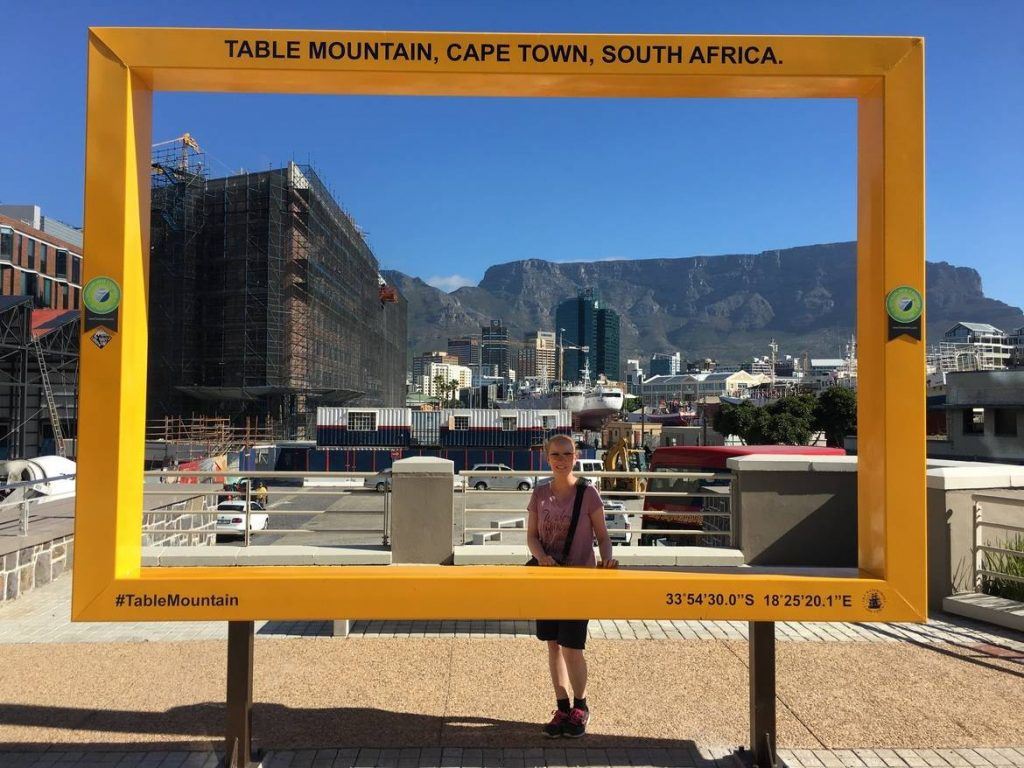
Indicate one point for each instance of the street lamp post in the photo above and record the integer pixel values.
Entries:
(643, 414)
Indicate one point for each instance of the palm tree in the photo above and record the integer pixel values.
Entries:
(440, 388)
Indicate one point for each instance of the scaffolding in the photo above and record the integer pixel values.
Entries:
(286, 310)
(30, 418)
(178, 210)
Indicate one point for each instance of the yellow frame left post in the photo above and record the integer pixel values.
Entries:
(112, 409)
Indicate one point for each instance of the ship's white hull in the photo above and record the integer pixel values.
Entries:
(589, 408)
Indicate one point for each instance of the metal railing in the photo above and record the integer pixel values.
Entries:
(11, 498)
(714, 516)
(209, 484)
(982, 551)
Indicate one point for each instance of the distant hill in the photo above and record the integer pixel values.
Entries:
(726, 307)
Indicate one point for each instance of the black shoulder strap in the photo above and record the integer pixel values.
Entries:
(581, 488)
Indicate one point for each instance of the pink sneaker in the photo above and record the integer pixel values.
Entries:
(556, 727)
(577, 723)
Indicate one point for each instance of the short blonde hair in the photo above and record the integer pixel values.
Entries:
(559, 438)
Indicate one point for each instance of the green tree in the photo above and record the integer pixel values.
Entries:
(835, 414)
(440, 389)
(787, 421)
(740, 420)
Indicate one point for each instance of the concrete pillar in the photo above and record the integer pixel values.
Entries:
(422, 510)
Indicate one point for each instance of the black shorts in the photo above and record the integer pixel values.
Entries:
(570, 633)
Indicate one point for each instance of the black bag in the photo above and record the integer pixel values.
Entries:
(581, 487)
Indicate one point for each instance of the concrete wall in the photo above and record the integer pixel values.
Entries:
(795, 511)
(952, 495)
(985, 447)
(789, 510)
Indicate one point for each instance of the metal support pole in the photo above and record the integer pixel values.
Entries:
(238, 742)
(978, 543)
(248, 510)
(762, 693)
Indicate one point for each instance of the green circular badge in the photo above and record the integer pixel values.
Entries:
(101, 295)
(904, 304)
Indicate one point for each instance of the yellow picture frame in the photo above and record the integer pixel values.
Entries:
(126, 65)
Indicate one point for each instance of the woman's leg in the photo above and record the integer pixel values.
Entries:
(556, 665)
(576, 666)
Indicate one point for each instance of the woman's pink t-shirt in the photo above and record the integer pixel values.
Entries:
(554, 516)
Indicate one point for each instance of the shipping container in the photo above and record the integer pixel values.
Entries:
(384, 427)
(320, 459)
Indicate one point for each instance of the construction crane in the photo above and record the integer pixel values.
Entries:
(187, 142)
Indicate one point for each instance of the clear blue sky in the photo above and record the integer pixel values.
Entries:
(447, 187)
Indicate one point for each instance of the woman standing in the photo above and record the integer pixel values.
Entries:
(550, 515)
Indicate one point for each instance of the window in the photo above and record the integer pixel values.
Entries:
(28, 284)
(462, 423)
(508, 423)
(362, 421)
(62, 263)
(6, 243)
(76, 269)
(30, 252)
(1005, 422)
(548, 422)
(47, 293)
(974, 421)
(64, 291)
(44, 253)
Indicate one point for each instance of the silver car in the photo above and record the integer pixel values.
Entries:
(486, 482)
(380, 482)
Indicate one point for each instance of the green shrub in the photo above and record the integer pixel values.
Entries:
(1011, 565)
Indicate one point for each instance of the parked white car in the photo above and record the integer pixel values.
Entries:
(485, 482)
(583, 467)
(617, 521)
(231, 518)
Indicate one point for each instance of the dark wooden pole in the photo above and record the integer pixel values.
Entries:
(762, 693)
(238, 743)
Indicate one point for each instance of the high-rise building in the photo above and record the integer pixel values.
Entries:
(534, 357)
(524, 358)
(664, 364)
(434, 373)
(466, 349)
(270, 301)
(583, 322)
(421, 362)
(494, 346)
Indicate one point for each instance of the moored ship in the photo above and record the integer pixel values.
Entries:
(588, 403)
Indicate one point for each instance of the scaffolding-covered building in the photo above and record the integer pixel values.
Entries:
(265, 301)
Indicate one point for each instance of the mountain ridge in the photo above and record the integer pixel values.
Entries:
(726, 306)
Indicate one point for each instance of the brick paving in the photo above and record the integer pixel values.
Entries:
(685, 756)
(42, 616)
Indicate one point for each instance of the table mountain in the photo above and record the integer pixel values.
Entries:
(726, 307)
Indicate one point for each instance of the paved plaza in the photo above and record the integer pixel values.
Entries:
(949, 694)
